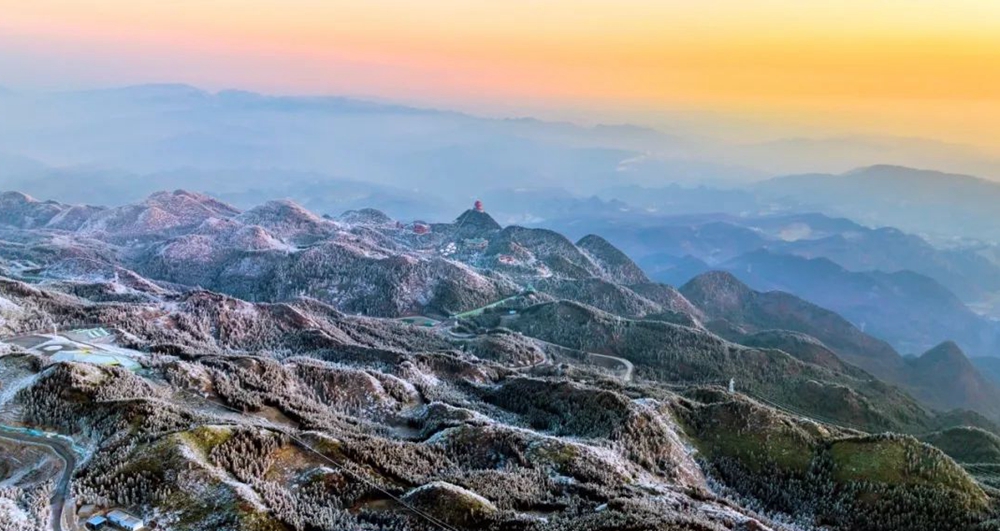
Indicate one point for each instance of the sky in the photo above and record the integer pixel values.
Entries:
(923, 68)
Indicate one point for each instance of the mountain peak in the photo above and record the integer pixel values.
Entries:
(182, 202)
(880, 168)
(21, 210)
(12, 197)
(947, 351)
(280, 211)
(289, 221)
(158, 90)
(160, 213)
(718, 289)
(896, 172)
(612, 260)
(370, 216)
(477, 220)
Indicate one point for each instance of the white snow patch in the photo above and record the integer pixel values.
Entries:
(11, 513)
(10, 390)
(7, 305)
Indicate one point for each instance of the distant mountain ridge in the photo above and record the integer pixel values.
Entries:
(432, 156)
(894, 284)
(923, 201)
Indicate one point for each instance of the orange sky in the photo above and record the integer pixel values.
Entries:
(914, 67)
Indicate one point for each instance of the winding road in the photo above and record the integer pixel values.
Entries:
(627, 368)
(61, 496)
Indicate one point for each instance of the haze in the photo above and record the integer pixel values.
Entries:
(739, 70)
(418, 108)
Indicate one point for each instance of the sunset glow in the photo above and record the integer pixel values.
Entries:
(899, 67)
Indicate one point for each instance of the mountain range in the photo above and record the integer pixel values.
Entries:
(359, 372)
(280, 250)
(736, 312)
(896, 285)
(128, 142)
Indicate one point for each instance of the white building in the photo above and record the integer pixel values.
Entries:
(125, 521)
